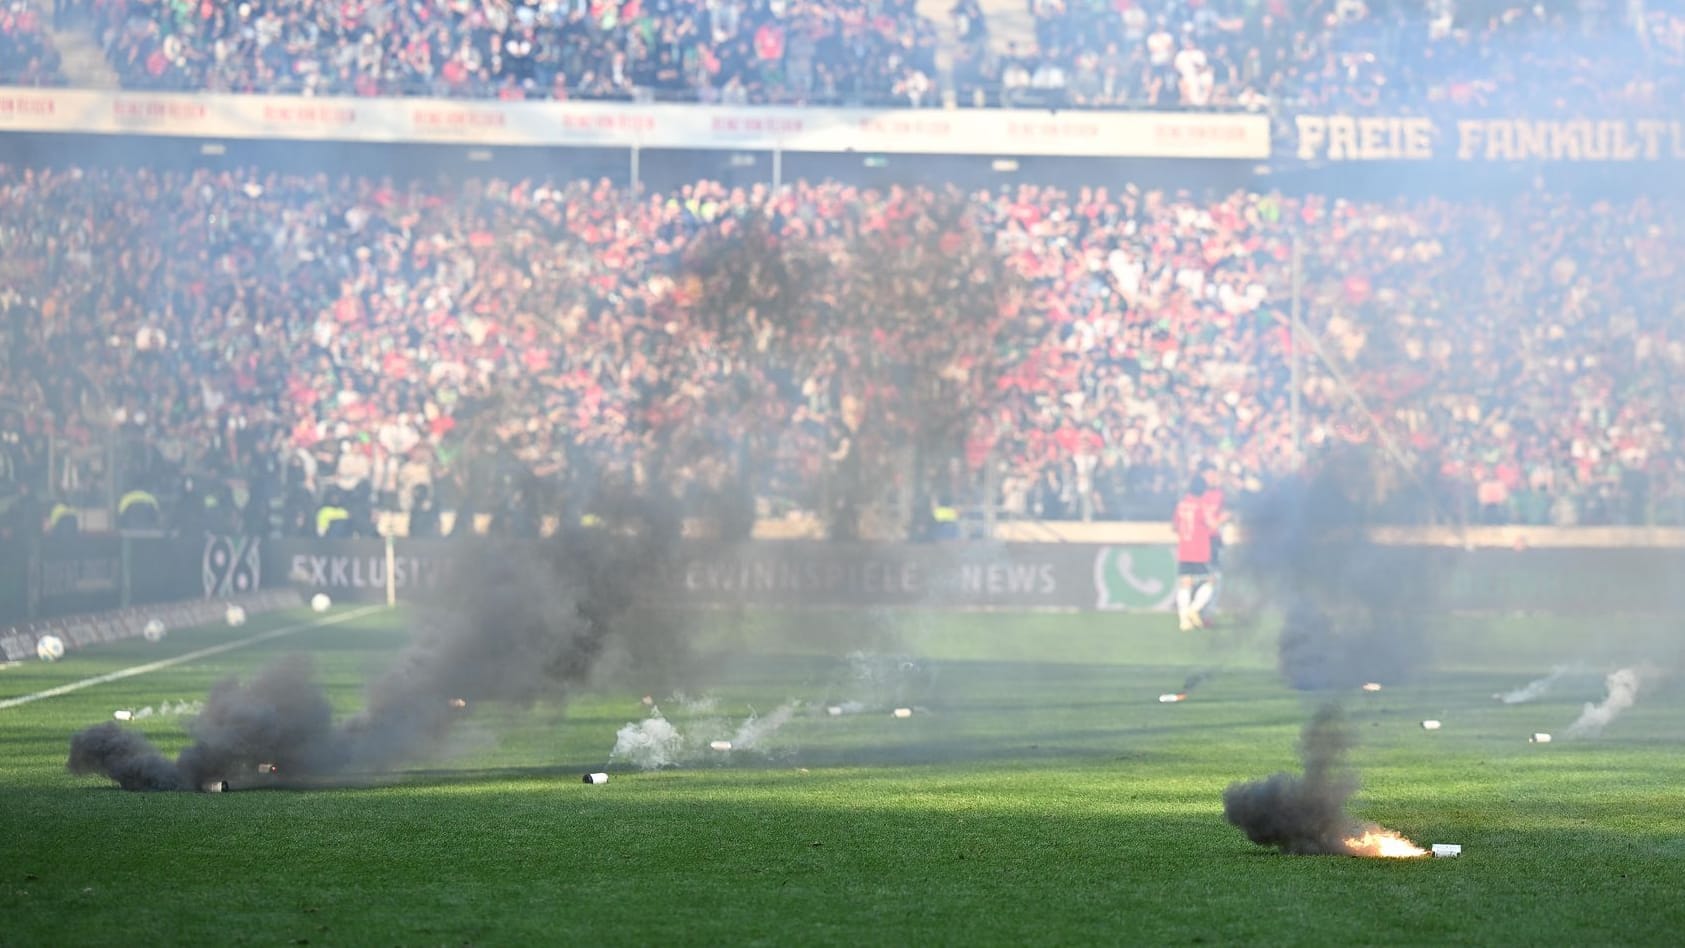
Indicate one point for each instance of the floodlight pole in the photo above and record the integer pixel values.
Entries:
(635, 171)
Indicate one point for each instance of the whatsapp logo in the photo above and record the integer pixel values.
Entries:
(1134, 578)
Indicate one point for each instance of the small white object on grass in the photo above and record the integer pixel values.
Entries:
(1430, 725)
(834, 710)
(596, 778)
(1446, 850)
(321, 602)
(719, 745)
(216, 786)
(153, 631)
(1539, 738)
(49, 648)
(1172, 698)
(236, 616)
(1371, 686)
(903, 712)
(123, 714)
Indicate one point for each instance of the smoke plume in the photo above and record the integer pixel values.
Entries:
(649, 744)
(1534, 690)
(1623, 693)
(1352, 609)
(125, 757)
(1301, 814)
(757, 729)
(512, 624)
(1196, 679)
(656, 742)
(166, 709)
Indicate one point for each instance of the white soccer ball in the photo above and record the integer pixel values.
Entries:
(236, 616)
(154, 630)
(320, 602)
(50, 648)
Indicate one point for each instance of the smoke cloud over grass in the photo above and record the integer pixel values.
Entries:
(1623, 685)
(512, 623)
(1302, 814)
(1305, 814)
(124, 756)
(1536, 689)
(649, 744)
(1353, 610)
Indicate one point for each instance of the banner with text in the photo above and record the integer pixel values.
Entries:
(1346, 138)
(1064, 576)
(1077, 577)
(624, 125)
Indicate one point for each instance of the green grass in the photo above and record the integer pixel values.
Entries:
(1041, 795)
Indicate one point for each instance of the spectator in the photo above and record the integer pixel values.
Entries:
(27, 55)
(515, 345)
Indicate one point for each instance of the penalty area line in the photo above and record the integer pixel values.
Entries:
(206, 652)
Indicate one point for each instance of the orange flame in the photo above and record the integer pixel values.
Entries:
(1378, 843)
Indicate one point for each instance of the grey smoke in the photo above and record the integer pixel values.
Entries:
(649, 744)
(1537, 688)
(1302, 814)
(1196, 679)
(757, 729)
(166, 709)
(656, 742)
(1353, 610)
(124, 756)
(1623, 685)
(512, 623)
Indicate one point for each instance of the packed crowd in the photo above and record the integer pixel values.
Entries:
(1577, 58)
(1392, 55)
(506, 346)
(1364, 55)
(27, 56)
(735, 51)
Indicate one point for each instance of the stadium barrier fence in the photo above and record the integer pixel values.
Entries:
(1071, 577)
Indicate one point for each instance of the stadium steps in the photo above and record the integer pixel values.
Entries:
(81, 59)
(937, 12)
(1009, 21)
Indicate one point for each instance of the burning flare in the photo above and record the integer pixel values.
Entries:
(1378, 843)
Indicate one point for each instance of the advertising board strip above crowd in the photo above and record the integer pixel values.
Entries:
(622, 125)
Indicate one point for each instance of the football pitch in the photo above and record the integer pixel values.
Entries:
(1039, 792)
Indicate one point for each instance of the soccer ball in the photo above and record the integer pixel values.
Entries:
(320, 602)
(49, 648)
(236, 616)
(154, 630)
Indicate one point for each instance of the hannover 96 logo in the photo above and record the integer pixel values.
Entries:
(1134, 578)
(231, 565)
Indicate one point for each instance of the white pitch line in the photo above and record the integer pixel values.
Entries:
(123, 673)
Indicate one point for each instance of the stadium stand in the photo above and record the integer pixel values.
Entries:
(354, 333)
(1396, 55)
(732, 51)
(27, 54)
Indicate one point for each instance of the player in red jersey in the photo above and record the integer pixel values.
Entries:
(1196, 528)
(1213, 498)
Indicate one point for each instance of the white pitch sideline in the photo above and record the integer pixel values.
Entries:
(206, 652)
